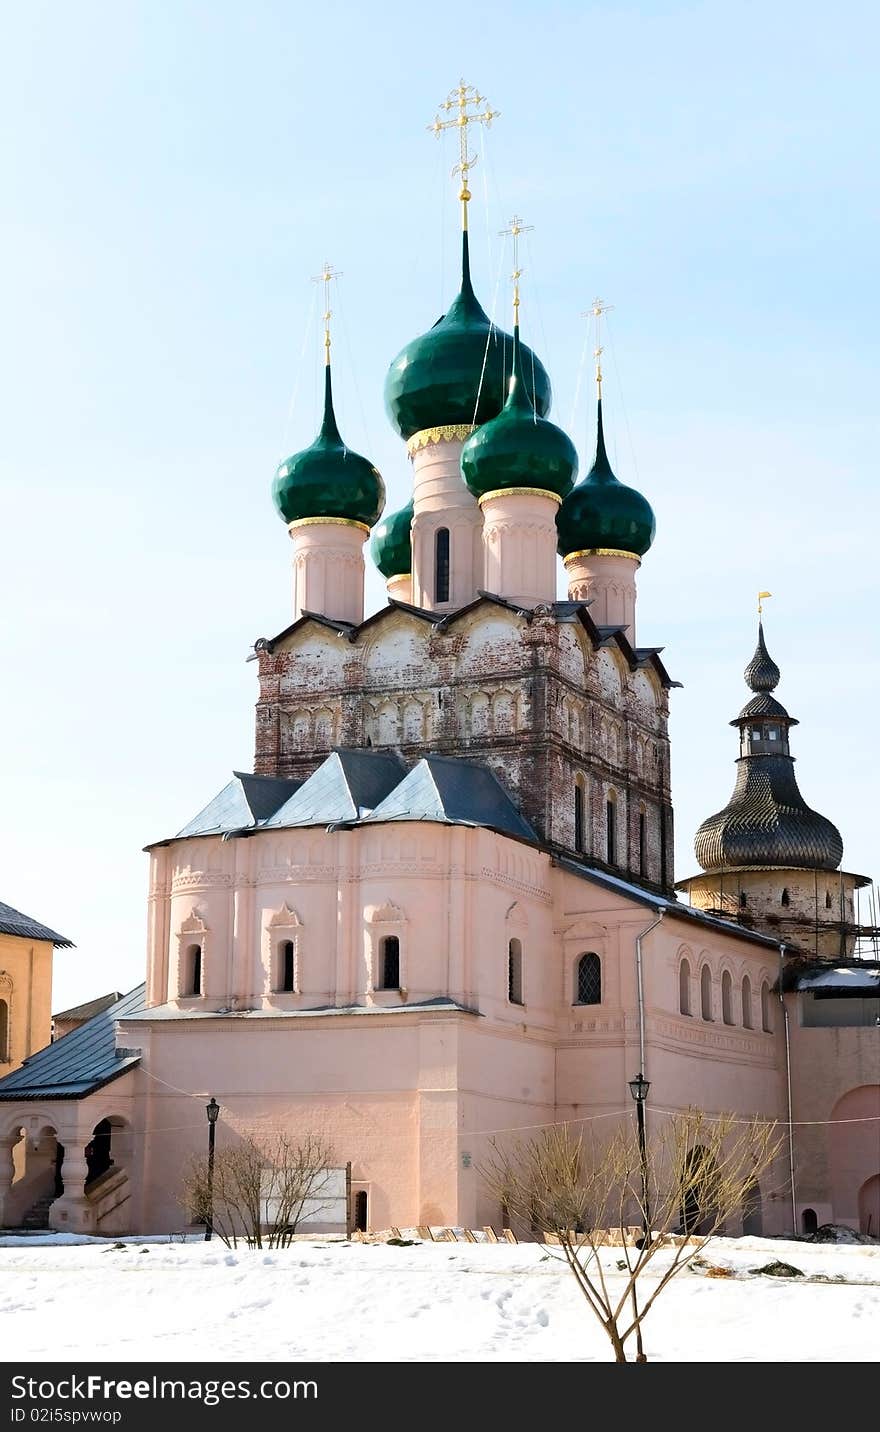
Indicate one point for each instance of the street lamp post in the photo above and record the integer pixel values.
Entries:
(212, 1109)
(639, 1087)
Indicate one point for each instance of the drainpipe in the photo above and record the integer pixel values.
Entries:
(788, 1090)
(639, 986)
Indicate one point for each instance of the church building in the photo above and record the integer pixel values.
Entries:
(443, 906)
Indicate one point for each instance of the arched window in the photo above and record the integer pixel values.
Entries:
(684, 988)
(809, 1221)
(441, 565)
(611, 830)
(287, 967)
(588, 985)
(785, 898)
(514, 972)
(193, 983)
(4, 1032)
(389, 958)
(747, 1002)
(579, 815)
(766, 1012)
(727, 998)
(706, 992)
(643, 853)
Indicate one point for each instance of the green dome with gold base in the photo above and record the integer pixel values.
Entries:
(603, 513)
(518, 448)
(391, 545)
(327, 479)
(455, 375)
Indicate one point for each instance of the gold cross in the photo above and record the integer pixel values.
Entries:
(466, 100)
(598, 307)
(327, 273)
(514, 229)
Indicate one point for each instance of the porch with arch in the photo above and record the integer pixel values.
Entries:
(59, 1175)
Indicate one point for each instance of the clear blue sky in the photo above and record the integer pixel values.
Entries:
(174, 173)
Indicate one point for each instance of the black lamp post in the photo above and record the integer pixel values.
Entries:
(639, 1087)
(212, 1109)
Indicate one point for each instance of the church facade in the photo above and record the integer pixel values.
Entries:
(442, 908)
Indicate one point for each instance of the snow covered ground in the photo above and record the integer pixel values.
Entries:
(63, 1299)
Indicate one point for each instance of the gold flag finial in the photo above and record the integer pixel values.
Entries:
(463, 103)
(761, 596)
(327, 273)
(514, 229)
(596, 310)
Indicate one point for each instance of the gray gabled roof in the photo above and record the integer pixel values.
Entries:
(13, 922)
(246, 800)
(457, 792)
(82, 1012)
(345, 787)
(81, 1062)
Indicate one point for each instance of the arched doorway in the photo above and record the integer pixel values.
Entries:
(852, 1154)
(697, 1189)
(809, 1222)
(360, 1210)
(869, 1206)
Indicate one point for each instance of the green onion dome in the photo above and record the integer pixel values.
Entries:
(455, 375)
(391, 547)
(518, 448)
(328, 479)
(602, 512)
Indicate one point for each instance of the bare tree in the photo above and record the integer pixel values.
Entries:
(586, 1190)
(261, 1188)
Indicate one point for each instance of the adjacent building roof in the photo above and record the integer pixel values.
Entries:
(172, 1014)
(81, 1062)
(13, 922)
(81, 1012)
(857, 977)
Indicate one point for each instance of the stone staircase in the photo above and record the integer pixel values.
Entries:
(37, 1217)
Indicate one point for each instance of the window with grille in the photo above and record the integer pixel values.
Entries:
(441, 565)
(514, 972)
(588, 988)
(390, 962)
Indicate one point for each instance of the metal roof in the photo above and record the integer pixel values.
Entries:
(246, 800)
(13, 922)
(856, 979)
(82, 1012)
(81, 1062)
(348, 785)
(170, 1013)
(456, 792)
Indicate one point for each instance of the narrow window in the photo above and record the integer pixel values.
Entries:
(441, 565)
(747, 1002)
(743, 899)
(589, 980)
(610, 832)
(684, 988)
(766, 1014)
(390, 958)
(579, 816)
(827, 899)
(727, 998)
(194, 975)
(785, 898)
(706, 993)
(287, 967)
(643, 854)
(4, 1032)
(514, 972)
